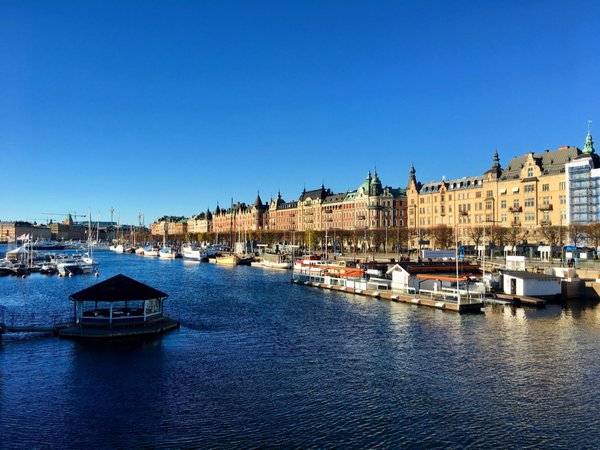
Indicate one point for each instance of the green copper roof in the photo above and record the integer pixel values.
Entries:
(588, 148)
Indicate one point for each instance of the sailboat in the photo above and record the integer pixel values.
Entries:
(231, 259)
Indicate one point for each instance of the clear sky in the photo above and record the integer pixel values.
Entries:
(170, 107)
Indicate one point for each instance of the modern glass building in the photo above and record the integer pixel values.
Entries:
(583, 186)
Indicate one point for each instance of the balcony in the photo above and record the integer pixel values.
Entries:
(374, 207)
(515, 209)
(516, 223)
(545, 208)
(545, 223)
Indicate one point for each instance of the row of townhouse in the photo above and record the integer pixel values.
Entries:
(370, 207)
(532, 193)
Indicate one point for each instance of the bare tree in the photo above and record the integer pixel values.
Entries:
(501, 235)
(378, 238)
(577, 233)
(551, 234)
(515, 235)
(593, 233)
(442, 236)
(476, 234)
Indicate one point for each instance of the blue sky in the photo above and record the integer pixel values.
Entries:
(171, 107)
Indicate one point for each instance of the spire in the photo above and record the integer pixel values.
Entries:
(412, 172)
(258, 201)
(588, 148)
(496, 160)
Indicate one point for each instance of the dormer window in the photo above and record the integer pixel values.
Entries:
(530, 172)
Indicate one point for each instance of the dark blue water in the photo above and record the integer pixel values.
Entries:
(259, 362)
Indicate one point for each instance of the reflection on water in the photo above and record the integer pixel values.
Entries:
(261, 362)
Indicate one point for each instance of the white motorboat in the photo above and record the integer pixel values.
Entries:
(167, 253)
(151, 250)
(194, 252)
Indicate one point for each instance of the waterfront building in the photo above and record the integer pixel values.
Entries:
(67, 229)
(370, 208)
(310, 209)
(583, 186)
(516, 204)
(282, 215)
(240, 219)
(175, 226)
(200, 223)
(9, 230)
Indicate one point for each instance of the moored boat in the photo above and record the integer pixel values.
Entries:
(228, 260)
(194, 252)
(167, 253)
(151, 250)
(276, 261)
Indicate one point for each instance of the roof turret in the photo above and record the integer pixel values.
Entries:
(588, 147)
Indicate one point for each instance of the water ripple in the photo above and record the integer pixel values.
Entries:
(259, 362)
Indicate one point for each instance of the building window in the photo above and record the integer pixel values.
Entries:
(530, 172)
(562, 185)
(529, 203)
(503, 204)
(478, 194)
(489, 194)
(516, 202)
(529, 217)
(529, 188)
(545, 187)
(563, 199)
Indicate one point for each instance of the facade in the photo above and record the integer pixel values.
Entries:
(200, 223)
(371, 207)
(169, 226)
(521, 200)
(10, 230)
(241, 219)
(68, 229)
(583, 186)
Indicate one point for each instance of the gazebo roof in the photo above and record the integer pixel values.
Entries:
(118, 288)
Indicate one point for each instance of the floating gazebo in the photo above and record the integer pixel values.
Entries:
(119, 307)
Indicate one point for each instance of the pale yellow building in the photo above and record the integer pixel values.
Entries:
(520, 199)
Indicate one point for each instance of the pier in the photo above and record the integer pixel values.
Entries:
(48, 329)
(412, 299)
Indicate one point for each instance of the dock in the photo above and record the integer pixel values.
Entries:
(411, 299)
(522, 300)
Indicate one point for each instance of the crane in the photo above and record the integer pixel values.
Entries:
(73, 215)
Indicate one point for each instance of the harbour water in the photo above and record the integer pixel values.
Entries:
(261, 362)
